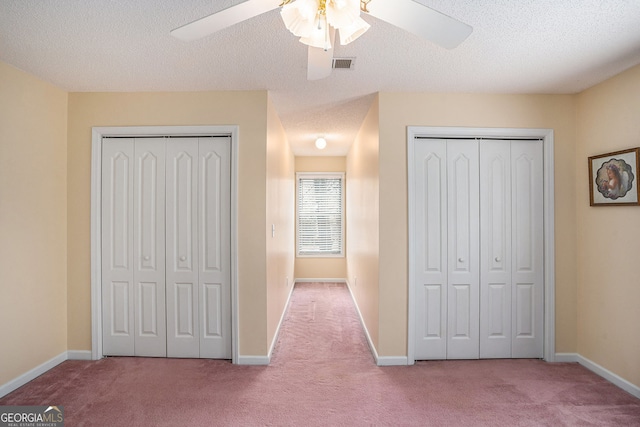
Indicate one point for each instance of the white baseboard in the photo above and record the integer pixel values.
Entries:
(372, 347)
(253, 360)
(599, 370)
(79, 355)
(380, 360)
(565, 358)
(610, 376)
(32, 374)
(275, 336)
(393, 361)
(325, 280)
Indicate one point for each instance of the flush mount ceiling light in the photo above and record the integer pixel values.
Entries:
(316, 21)
(321, 143)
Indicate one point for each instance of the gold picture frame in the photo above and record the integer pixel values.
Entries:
(613, 178)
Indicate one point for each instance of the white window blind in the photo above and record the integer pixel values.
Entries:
(320, 216)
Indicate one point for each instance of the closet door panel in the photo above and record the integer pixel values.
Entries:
(214, 213)
(495, 249)
(182, 247)
(119, 309)
(527, 238)
(117, 247)
(183, 307)
(149, 247)
(431, 249)
(463, 257)
(149, 312)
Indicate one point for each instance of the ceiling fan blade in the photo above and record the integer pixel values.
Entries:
(421, 21)
(225, 18)
(320, 62)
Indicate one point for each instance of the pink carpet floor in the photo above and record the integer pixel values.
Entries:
(322, 374)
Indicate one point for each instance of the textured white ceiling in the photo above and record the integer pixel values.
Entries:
(534, 46)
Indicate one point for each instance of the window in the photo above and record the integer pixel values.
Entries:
(320, 216)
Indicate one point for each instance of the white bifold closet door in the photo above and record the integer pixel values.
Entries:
(512, 254)
(478, 249)
(166, 247)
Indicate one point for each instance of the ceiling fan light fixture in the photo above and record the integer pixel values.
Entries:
(319, 36)
(310, 20)
(300, 17)
(353, 31)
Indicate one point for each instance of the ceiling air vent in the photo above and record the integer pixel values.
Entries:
(344, 63)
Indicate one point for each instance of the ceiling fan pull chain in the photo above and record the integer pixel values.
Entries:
(327, 43)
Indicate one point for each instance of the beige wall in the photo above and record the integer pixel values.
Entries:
(280, 213)
(321, 268)
(363, 222)
(246, 109)
(33, 222)
(45, 212)
(399, 110)
(608, 245)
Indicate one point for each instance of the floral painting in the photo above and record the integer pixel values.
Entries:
(614, 178)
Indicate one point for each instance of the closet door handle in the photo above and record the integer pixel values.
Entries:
(183, 258)
(460, 259)
(146, 258)
(498, 259)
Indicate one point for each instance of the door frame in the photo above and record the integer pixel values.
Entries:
(546, 135)
(97, 133)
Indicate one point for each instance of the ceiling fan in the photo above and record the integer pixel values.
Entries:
(316, 22)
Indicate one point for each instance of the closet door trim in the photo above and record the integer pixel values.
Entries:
(547, 137)
(97, 134)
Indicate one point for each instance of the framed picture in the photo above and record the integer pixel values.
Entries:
(613, 178)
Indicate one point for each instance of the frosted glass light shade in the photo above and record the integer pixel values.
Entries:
(321, 143)
(342, 13)
(299, 17)
(353, 31)
(319, 36)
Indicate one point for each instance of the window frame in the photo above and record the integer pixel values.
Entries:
(321, 175)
